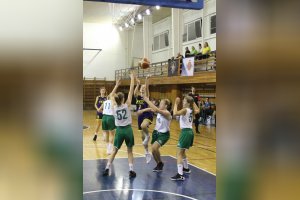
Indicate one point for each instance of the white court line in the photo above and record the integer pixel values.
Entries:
(114, 159)
(197, 167)
(141, 190)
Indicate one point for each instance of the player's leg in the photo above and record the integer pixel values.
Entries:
(156, 154)
(185, 164)
(196, 122)
(179, 175)
(110, 141)
(97, 128)
(118, 141)
(146, 137)
(129, 140)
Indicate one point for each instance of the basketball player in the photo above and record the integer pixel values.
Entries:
(145, 115)
(196, 98)
(186, 137)
(161, 133)
(108, 120)
(124, 131)
(99, 101)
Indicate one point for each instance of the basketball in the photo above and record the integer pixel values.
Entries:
(144, 63)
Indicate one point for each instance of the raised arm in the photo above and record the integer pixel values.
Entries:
(147, 86)
(175, 111)
(118, 82)
(129, 98)
(165, 113)
(137, 87)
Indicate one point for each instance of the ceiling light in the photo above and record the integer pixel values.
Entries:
(148, 12)
(139, 16)
(126, 25)
(121, 28)
(132, 20)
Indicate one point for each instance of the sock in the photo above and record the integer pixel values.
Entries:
(180, 169)
(96, 133)
(185, 163)
(108, 165)
(130, 167)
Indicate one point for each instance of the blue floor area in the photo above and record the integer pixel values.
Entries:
(147, 185)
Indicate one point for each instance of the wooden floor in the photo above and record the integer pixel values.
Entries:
(202, 154)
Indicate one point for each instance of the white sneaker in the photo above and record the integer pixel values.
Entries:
(148, 157)
(146, 140)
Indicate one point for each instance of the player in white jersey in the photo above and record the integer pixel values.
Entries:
(108, 120)
(161, 133)
(124, 131)
(186, 137)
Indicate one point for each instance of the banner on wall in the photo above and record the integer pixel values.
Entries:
(185, 4)
(188, 67)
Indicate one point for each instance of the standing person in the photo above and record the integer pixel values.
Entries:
(124, 131)
(196, 98)
(145, 115)
(161, 133)
(206, 109)
(108, 120)
(186, 137)
(99, 101)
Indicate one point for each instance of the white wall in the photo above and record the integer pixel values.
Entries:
(158, 28)
(135, 51)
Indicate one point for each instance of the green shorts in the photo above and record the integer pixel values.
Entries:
(186, 138)
(108, 123)
(124, 133)
(160, 138)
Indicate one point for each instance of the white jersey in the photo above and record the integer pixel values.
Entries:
(122, 115)
(162, 124)
(107, 108)
(186, 121)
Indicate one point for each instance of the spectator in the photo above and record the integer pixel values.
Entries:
(187, 52)
(194, 51)
(200, 47)
(206, 50)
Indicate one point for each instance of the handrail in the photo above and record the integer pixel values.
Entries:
(161, 68)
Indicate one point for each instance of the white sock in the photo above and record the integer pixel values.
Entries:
(130, 167)
(108, 165)
(185, 163)
(180, 169)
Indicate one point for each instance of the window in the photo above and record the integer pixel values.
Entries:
(213, 24)
(192, 30)
(161, 41)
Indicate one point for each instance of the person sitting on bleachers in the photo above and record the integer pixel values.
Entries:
(206, 51)
(187, 52)
(194, 51)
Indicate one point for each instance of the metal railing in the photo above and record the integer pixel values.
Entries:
(161, 68)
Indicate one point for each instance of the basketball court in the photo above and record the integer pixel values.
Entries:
(117, 37)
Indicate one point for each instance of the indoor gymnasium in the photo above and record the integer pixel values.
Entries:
(149, 100)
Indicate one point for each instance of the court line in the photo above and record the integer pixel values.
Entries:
(141, 190)
(196, 167)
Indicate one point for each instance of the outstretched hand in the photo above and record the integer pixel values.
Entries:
(177, 100)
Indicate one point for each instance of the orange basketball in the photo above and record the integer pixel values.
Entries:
(144, 63)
